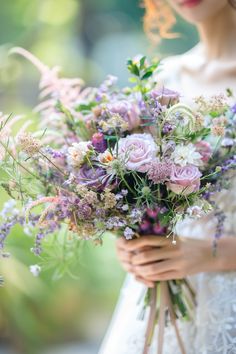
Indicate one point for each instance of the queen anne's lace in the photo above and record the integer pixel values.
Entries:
(214, 328)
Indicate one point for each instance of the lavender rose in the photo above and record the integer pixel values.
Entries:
(184, 180)
(137, 151)
(165, 96)
(128, 111)
(93, 177)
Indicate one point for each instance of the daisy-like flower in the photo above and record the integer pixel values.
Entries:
(186, 154)
(106, 157)
(77, 153)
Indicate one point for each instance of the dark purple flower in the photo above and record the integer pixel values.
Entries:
(158, 229)
(152, 213)
(99, 142)
(167, 128)
(145, 227)
(93, 177)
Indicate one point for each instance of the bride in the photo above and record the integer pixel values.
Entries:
(209, 68)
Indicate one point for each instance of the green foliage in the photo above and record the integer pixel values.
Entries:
(142, 70)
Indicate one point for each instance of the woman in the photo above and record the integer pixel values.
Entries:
(207, 69)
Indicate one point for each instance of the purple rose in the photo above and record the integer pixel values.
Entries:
(93, 177)
(128, 111)
(165, 96)
(184, 180)
(137, 151)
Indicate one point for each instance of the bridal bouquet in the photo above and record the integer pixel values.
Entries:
(133, 161)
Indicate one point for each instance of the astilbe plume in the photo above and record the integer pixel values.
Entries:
(69, 93)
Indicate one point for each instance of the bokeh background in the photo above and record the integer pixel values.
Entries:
(89, 39)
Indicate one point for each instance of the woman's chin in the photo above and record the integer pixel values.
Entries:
(198, 11)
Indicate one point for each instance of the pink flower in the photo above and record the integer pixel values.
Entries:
(165, 96)
(137, 151)
(184, 180)
(128, 111)
(204, 149)
(159, 172)
(158, 229)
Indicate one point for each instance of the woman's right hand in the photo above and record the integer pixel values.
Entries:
(125, 258)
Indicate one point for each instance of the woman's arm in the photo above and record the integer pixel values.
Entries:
(152, 258)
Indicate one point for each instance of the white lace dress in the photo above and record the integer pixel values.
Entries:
(214, 328)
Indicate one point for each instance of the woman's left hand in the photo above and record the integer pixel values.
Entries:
(154, 258)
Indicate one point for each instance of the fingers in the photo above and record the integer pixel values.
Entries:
(148, 283)
(128, 267)
(155, 268)
(124, 256)
(143, 241)
(153, 255)
(164, 276)
(153, 241)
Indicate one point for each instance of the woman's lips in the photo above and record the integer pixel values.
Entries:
(190, 3)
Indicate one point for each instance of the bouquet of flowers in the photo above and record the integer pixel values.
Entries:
(133, 161)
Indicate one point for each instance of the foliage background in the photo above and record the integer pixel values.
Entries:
(90, 39)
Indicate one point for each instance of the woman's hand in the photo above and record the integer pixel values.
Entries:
(153, 258)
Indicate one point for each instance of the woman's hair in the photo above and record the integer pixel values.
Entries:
(159, 20)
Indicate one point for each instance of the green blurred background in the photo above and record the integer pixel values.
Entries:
(90, 39)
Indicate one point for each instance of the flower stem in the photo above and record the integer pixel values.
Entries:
(50, 161)
(18, 162)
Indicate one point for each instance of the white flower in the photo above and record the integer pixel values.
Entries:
(195, 211)
(35, 270)
(105, 157)
(125, 207)
(77, 153)
(186, 154)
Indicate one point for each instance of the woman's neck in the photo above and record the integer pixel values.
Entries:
(218, 35)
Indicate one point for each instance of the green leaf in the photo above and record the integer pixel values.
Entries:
(129, 62)
(85, 107)
(133, 69)
(142, 62)
(147, 75)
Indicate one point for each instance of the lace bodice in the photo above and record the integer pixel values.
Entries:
(214, 327)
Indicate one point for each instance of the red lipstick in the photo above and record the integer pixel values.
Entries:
(190, 3)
